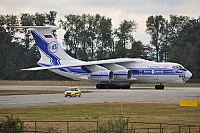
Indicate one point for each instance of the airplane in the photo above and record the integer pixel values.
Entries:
(118, 73)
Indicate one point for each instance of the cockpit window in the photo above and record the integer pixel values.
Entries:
(179, 67)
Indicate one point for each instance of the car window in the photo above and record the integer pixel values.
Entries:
(70, 89)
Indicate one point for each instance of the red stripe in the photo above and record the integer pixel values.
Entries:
(48, 36)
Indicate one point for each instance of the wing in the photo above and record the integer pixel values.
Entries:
(77, 64)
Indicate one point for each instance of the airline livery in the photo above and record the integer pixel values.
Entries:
(111, 73)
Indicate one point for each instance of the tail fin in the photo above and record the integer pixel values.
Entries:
(51, 51)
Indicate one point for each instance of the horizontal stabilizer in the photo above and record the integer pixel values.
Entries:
(34, 69)
(34, 27)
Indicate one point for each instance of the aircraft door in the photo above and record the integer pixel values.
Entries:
(155, 76)
(140, 72)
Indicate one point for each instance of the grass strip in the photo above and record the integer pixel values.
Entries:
(27, 92)
(165, 113)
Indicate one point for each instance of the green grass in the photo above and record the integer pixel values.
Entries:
(27, 92)
(167, 113)
(135, 112)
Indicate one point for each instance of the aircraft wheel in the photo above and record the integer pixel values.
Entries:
(159, 87)
(110, 86)
(126, 87)
(100, 86)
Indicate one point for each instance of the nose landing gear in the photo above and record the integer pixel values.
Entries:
(159, 87)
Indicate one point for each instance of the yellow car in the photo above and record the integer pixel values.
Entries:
(72, 92)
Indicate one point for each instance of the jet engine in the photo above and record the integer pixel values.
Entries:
(101, 75)
(122, 74)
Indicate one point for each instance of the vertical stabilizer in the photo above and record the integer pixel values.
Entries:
(51, 51)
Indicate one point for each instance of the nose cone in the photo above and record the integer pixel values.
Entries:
(188, 75)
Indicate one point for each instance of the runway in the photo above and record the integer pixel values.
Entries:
(169, 95)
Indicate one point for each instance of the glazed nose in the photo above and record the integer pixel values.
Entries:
(188, 74)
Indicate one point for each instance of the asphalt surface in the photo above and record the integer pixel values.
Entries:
(169, 95)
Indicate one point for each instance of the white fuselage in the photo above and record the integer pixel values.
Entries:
(143, 71)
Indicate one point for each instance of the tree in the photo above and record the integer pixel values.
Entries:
(39, 19)
(51, 17)
(139, 50)
(155, 26)
(26, 20)
(87, 37)
(5, 44)
(124, 33)
(50, 20)
(72, 27)
(175, 26)
(104, 36)
(164, 43)
(186, 51)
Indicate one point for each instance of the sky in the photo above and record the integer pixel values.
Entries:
(117, 10)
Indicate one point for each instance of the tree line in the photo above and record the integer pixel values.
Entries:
(92, 37)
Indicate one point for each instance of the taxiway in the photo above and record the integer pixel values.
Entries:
(169, 95)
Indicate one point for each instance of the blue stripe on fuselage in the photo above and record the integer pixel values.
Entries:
(156, 71)
(137, 71)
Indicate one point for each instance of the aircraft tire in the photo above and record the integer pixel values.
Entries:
(126, 87)
(159, 87)
(100, 86)
(110, 86)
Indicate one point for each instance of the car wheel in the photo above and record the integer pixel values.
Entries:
(75, 95)
(80, 95)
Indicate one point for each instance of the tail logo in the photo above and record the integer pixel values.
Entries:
(53, 47)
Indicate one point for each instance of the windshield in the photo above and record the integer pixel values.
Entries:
(70, 89)
(179, 67)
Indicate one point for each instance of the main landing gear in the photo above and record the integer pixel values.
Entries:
(159, 87)
(111, 86)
